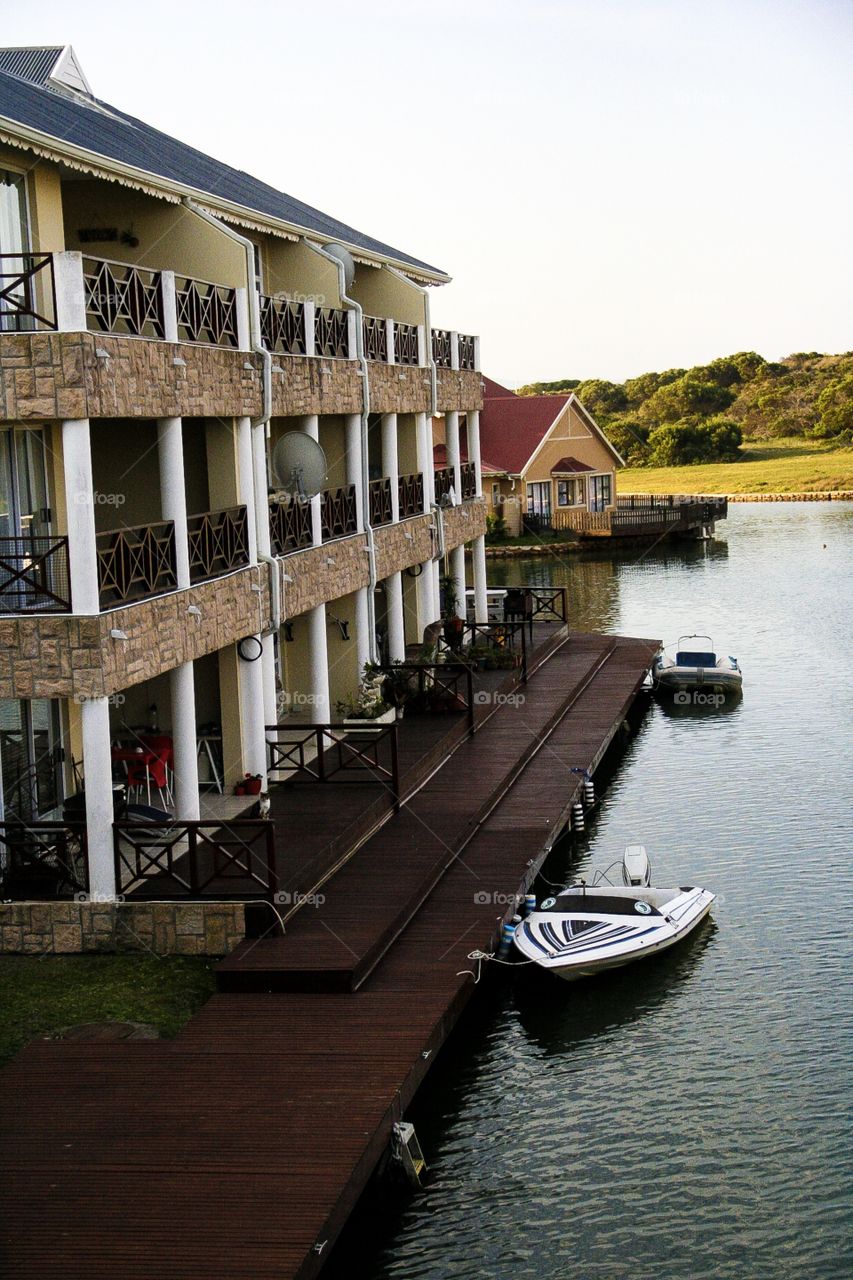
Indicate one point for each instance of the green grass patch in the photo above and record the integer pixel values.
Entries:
(768, 466)
(42, 995)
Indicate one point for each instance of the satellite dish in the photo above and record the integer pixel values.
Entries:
(345, 257)
(299, 464)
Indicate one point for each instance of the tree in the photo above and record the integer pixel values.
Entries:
(690, 440)
(641, 388)
(629, 437)
(689, 396)
(835, 406)
(603, 399)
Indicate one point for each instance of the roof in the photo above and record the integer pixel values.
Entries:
(493, 390)
(569, 466)
(511, 427)
(84, 124)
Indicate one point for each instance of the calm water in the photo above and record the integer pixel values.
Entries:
(689, 1117)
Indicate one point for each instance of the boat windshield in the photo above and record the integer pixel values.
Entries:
(695, 658)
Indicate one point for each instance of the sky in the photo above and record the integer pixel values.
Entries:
(614, 185)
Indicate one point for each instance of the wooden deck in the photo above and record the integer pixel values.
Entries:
(238, 1149)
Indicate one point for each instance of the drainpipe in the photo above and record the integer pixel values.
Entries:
(350, 304)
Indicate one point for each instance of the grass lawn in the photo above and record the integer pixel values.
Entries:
(44, 994)
(768, 466)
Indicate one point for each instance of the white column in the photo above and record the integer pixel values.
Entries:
(423, 437)
(261, 487)
(396, 619)
(435, 575)
(185, 744)
(250, 677)
(173, 499)
(354, 473)
(170, 306)
(362, 630)
(98, 779)
(246, 482)
(457, 570)
(451, 421)
(473, 421)
(481, 602)
(70, 292)
(390, 344)
(425, 584)
(390, 464)
(309, 311)
(318, 668)
(79, 498)
(311, 427)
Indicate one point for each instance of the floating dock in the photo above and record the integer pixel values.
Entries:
(238, 1149)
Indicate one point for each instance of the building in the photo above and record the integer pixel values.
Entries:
(546, 464)
(165, 322)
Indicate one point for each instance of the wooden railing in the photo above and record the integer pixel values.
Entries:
(283, 325)
(467, 351)
(121, 298)
(437, 687)
(442, 348)
(506, 639)
(339, 515)
(135, 563)
(27, 292)
(411, 495)
(335, 753)
(331, 333)
(375, 338)
(34, 575)
(379, 494)
(405, 343)
(218, 542)
(43, 860)
(443, 483)
(207, 312)
(229, 860)
(468, 479)
(290, 526)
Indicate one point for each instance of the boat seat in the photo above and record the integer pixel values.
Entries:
(686, 659)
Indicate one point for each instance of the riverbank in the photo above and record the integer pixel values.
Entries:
(770, 470)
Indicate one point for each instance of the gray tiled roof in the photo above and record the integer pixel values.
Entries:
(110, 133)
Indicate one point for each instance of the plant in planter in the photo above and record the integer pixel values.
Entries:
(368, 702)
(250, 785)
(397, 686)
(454, 633)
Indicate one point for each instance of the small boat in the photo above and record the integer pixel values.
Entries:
(695, 668)
(587, 929)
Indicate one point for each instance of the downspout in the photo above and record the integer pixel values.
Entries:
(258, 349)
(350, 304)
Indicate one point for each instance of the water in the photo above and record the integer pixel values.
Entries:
(688, 1117)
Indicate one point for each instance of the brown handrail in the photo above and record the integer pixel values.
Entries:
(291, 526)
(34, 575)
(336, 752)
(194, 859)
(218, 542)
(20, 275)
(123, 298)
(379, 494)
(136, 563)
(283, 325)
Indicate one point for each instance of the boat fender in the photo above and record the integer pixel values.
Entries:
(529, 903)
(589, 793)
(507, 935)
(577, 816)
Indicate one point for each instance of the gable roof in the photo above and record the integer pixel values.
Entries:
(512, 428)
(569, 466)
(493, 390)
(86, 129)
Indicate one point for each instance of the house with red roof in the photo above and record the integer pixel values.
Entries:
(545, 460)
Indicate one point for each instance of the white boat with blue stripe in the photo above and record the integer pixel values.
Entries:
(587, 929)
(696, 666)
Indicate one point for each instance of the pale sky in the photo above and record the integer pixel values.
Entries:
(614, 186)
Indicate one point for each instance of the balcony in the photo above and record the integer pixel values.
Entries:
(34, 575)
(27, 292)
(136, 563)
(338, 513)
(379, 495)
(218, 543)
(331, 333)
(411, 495)
(454, 350)
(406, 344)
(283, 326)
(468, 479)
(290, 526)
(123, 299)
(443, 483)
(375, 338)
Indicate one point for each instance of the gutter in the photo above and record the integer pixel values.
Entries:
(350, 304)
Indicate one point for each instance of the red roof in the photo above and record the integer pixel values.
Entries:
(439, 453)
(511, 427)
(569, 465)
(493, 390)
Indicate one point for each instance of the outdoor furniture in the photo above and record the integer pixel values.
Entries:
(143, 766)
(164, 748)
(519, 605)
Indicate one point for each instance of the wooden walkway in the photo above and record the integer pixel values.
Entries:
(238, 1149)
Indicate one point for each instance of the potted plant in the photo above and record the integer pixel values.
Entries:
(368, 702)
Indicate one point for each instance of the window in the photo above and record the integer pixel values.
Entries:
(539, 498)
(565, 494)
(600, 493)
(496, 496)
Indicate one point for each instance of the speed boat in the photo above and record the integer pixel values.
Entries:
(693, 667)
(587, 929)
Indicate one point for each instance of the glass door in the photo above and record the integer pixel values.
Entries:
(30, 758)
(600, 491)
(24, 521)
(14, 248)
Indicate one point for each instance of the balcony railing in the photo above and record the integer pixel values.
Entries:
(234, 859)
(121, 298)
(381, 511)
(290, 526)
(375, 338)
(34, 575)
(27, 292)
(218, 543)
(335, 753)
(467, 352)
(331, 333)
(468, 478)
(411, 495)
(136, 563)
(443, 482)
(338, 512)
(406, 343)
(441, 348)
(43, 860)
(283, 326)
(207, 312)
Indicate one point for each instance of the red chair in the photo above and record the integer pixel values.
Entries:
(147, 769)
(164, 749)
